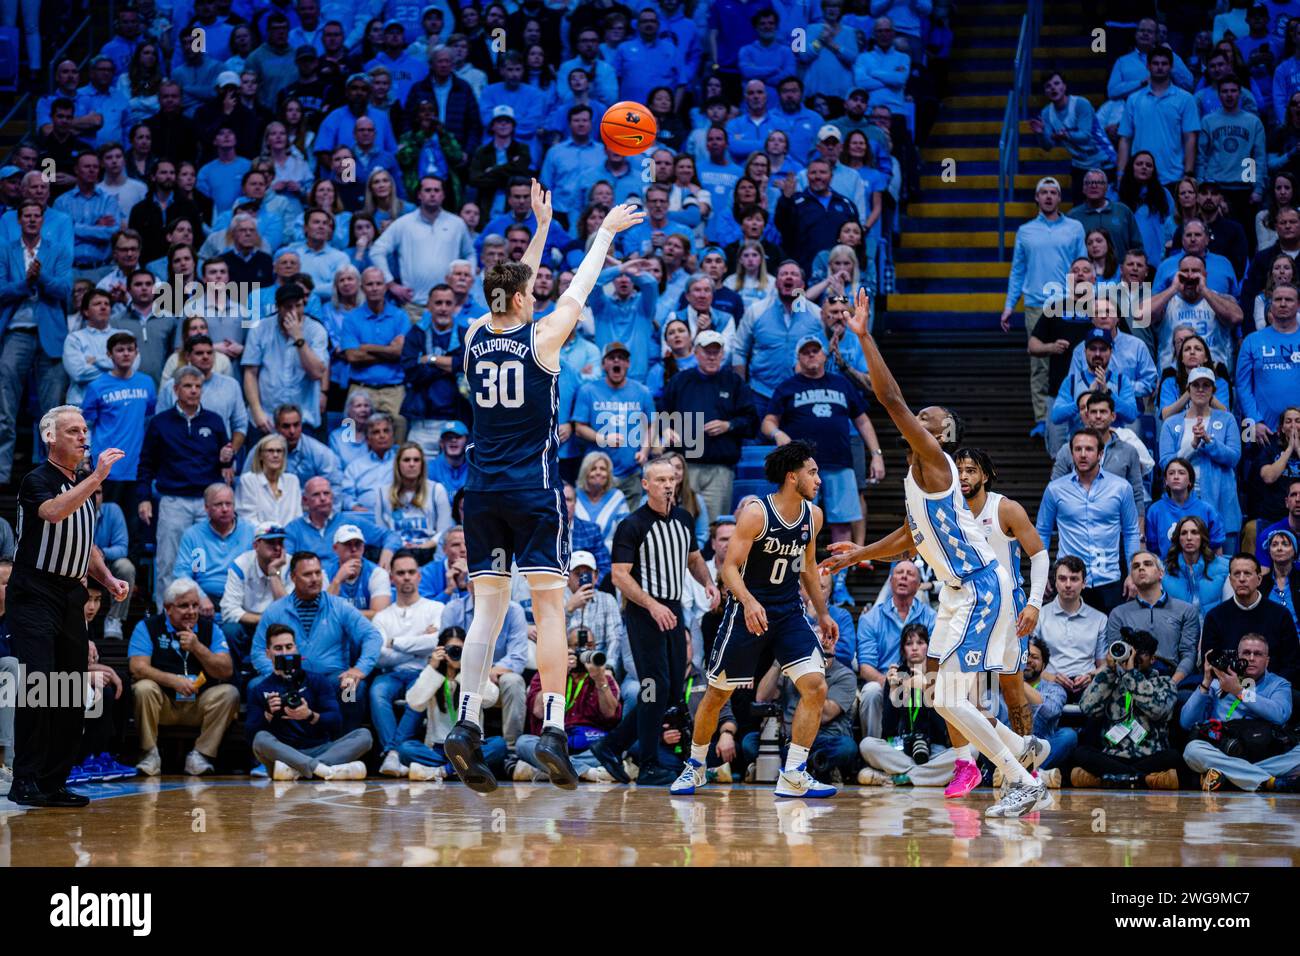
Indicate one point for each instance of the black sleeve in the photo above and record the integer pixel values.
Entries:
(688, 523)
(36, 489)
(626, 540)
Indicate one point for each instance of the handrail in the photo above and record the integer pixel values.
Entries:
(26, 103)
(1016, 110)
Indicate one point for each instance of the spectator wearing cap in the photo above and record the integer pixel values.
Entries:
(419, 246)
(285, 361)
(1099, 377)
(647, 60)
(228, 110)
(615, 413)
(334, 638)
(367, 473)
(457, 106)
(315, 91)
(810, 221)
(1162, 119)
(1282, 579)
(254, 579)
(339, 125)
(451, 468)
(1045, 247)
(1130, 355)
(220, 179)
(1209, 439)
(208, 549)
(748, 132)
(818, 407)
(405, 66)
(11, 188)
(765, 342)
(354, 577)
(846, 181)
(527, 103)
(587, 607)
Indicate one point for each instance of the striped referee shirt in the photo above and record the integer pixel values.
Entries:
(62, 547)
(657, 546)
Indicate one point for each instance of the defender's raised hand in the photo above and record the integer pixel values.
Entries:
(857, 322)
(622, 217)
(541, 203)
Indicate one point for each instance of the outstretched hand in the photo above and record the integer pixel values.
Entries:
(857, 321)
(622, 217)
(844, 554)
(541, 203)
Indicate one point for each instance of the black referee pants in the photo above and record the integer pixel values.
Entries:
(660, 658)
(47, 628)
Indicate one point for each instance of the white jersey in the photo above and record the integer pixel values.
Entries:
(945, 532)
(1005, 547)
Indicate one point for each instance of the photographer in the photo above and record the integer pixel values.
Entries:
(1237, 715)
(434, 695)
(913, 748)
(1134, 701)
(833, 750)
(176, 660)
(591, 710)
(597, 611)
(294, 719)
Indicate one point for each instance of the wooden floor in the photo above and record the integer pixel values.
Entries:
(232, 821)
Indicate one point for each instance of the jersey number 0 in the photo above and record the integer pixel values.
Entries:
(502, 384)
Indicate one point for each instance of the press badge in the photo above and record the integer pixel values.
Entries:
(1137, 733)
(1118, 733)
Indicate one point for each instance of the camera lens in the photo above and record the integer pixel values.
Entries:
(1120, 651)
(454, 651)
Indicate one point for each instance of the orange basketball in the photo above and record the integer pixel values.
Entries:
(628, 128)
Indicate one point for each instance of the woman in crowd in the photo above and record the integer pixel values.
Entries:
(1210, 440)
(598, 498)
(267, 491)
(473, 216)
(750, 280)
(347, 296)
(1281, 196)
(1186, 205)
(1153, 207)
(1280, 270)
(687, 192)
(190, 326)
(589, 222)
(537, 72)
(678, 356)
(415, 507)
(1283, 148)
(1191, 351)
(684, 496)
(140, 159)
(187, 178)
(672, 131)
(382, 201)
(139, 84)
(348, 441)
(322, 195)
(179, 232)
(361, 237)
(1270, 467)
(840, 274)
(292, 176)
(296, 127)
(1101, 253)
(1193, 572)
(780, 162)
(241, 45)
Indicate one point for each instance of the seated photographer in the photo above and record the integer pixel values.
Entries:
(834, 750)
(1074, 633)
(337, 640)
(294, 721)
(177, 659)
(1134, 701)
(433, 699)
(880, 629)
(914, 746)
(1237, 716)
(592, 709)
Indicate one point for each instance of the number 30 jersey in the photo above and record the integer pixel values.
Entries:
(771, 571)
(513, 441)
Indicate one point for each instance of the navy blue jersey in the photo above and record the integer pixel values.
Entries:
(513, 442)
(822, 411)
(771, 571)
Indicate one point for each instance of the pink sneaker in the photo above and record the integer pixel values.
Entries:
(965, 778)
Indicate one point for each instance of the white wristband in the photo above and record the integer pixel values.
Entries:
(1038, 567)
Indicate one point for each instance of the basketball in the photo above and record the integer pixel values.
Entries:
(628, 128)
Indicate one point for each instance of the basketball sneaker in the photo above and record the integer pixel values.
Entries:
(871, 777)
(691, 779)
(464, 748)
(800, 783)
(1036, 752)
(421, 771)
(552, 752)
(392, 765)
(965, 778)
(1023, 798)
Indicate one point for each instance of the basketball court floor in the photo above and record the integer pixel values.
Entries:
(234, 821)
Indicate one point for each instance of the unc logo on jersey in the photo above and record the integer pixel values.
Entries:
(973, 658)
(205, 432)
(1024, 657)
(822, 410)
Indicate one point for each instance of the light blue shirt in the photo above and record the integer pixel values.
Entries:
(1043, 253)
(206, 556)
(880, 631)
(88, 343)
(746, 135)
(765, 343)
(604, 87)
(642, 66)
(281, 376)
(1268, 375)
(1130, 357)
(302, 535)
(364, 477)
(90, 240)
(771, 63)
(630, 320)
(884, 74)
(110, 105)
(568, 165)
(321, 266)
(625, 411)
(1091, 523)
(1271, 701)
(362, 326)
(340, 637)
(528, 102)
(1130, 72)
(1215, 461)
(220, 181)
(336, 129)
(1157, 122)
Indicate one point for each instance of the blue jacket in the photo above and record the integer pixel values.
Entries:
(1042, 256)
(1066, 406)
(1215, 462)
(431, 392)
(1268, 375)
(1164, 514)
(52, 289)
(1198, 586)
(302, 536)
(340, 637)
(1271, 701)
(807, 226)
(181, 454)
(630, 320)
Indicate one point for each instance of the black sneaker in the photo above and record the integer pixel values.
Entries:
(27, 794)
(553, 754)
(1288, 784)
(609, 760)
(63, 797)
(464, 748)
(654, 775)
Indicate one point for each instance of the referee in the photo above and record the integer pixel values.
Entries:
(56, 533)
(653, 548)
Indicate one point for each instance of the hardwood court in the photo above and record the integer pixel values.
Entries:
(232, 821)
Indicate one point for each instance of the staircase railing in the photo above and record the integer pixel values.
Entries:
(25, 106)
(1017, 109)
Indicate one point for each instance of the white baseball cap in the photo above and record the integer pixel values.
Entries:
(582, 559)
(1200, 374)
(709, 337)
(348, 532)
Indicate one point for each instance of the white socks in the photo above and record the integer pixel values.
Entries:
(796, 757)
(1015, 743)
(471, 708)
(700, 753)
(491, 602)
(964, 752)
(553, 711)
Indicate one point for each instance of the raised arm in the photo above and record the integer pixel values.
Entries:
(894, 546)
(929, 454)
(541, 210)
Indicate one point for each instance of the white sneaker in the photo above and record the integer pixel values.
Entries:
(196, 765)
(150, 764)
(596, 775)
(282, 771)
(113, 627)
(355, 770)
(1051, 777)
(1022, 799)
(421, 771)
(800, 783)
(1035, 753)
(871, 777)
(692, 778)
(392, 765)
(524, 772)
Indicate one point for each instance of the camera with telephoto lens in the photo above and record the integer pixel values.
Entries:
(289, 667)
(917, 746)
(453, 651)
(678, 717)
(586, 653)
(1225, 660)
(1120, 651)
